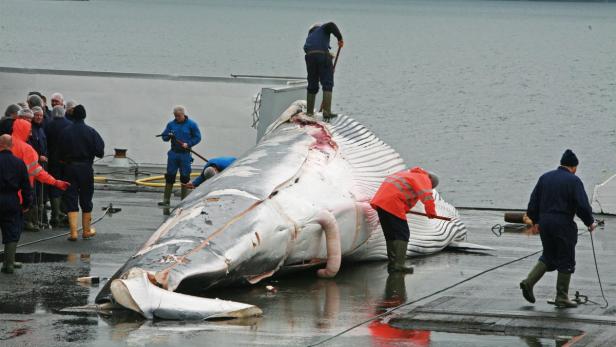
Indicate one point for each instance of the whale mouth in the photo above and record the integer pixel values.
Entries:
(136, 292)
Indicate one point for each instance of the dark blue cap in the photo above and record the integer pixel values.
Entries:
(569, 159)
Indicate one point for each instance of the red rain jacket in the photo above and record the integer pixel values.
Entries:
(401, 191)
(22, 150)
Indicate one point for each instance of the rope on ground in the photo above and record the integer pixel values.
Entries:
(109, 210)
(592, 242)
(390, 311)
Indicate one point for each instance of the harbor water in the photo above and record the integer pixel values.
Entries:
(486, 93)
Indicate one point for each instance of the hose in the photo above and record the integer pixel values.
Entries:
(109, 210)
(592, 242)
(146, 181)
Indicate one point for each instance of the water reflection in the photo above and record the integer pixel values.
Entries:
(51, 279)
(382, 333)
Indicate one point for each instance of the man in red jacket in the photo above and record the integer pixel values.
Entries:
(22, 150)
(398, 194)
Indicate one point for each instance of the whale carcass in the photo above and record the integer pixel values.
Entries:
(299, 199)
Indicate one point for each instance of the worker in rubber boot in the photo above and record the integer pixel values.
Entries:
(557, 198)
(183, 133)
(80, 145)
(396, 196)
(319, 65)
(15, 197)
(53, 130)
(24, 151)
(30, 217)
(38, 140)
(213, 167)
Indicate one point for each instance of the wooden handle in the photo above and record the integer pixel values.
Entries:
(191, 150)
(425, 215)
(334, 71)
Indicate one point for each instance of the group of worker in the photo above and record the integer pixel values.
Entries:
(557, 198)
(46, 155)
(555, 201)
(183, 132)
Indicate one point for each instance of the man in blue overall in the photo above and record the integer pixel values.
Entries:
(183, 133)
(213, 167)
(14, 186)
(319, 65)
(80, 144)
(557, 198)
(53, 130)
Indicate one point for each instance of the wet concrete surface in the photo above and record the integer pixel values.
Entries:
(302, 309)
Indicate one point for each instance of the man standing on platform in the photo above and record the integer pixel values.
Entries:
(319, 65)
(557, 198)
(183, 133)
(395, 198)
(80, 144)
(15, 197)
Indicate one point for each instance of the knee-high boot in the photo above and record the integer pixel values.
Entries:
(533, 277)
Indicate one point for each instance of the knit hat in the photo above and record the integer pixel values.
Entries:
(569, 159)
(79, 112)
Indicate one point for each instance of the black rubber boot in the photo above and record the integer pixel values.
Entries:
(54, 221)
(310, 100)
(396, 253)
(43, 216)
(562, 291)
(533, 277)
(327, 106)
(8, 266)
(167, 195)
(58, 219)
(31, 219)
(183, 192)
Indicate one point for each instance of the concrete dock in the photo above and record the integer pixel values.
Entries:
(303, 309)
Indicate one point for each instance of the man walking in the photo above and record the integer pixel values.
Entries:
(398, 194)
(15, 197)
(80, 144)
(558, 196)
(183, 133)
(319, 65)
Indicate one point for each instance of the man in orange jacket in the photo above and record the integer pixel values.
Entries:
(398, 194)
(22, 150)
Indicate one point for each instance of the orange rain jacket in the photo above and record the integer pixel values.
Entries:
(22, 150)
(401, 191)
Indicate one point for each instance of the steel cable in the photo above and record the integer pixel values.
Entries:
(108, 211)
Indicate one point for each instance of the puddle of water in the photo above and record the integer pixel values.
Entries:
(451, 339)
(41, 257)
(47, 284)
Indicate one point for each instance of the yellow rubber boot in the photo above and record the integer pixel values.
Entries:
(72, 224)
(86, 221)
